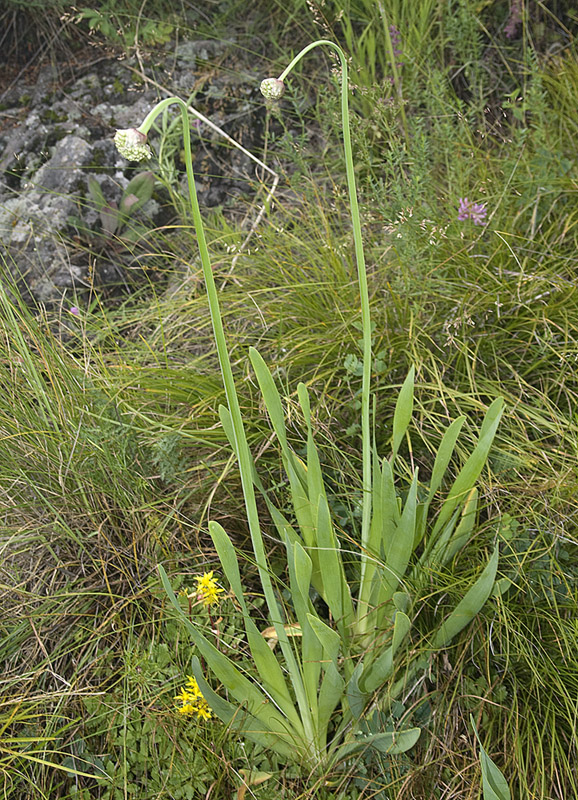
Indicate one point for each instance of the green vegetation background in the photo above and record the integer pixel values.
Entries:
(112, 456)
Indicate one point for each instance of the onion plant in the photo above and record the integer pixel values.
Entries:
(313, 701)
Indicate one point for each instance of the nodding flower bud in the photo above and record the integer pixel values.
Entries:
(272, 88)
(132, 145)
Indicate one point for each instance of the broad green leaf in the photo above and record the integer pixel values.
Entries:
(403, 412)
(300, 571)
(494, 785)
(270, 672)
(330, 695)
(95, 192)
(246, 693)
(332, 685)
(382, 667)
(393, 742)
(464, 530)
(400, 741)
(336, 592)
(389, 497)
(357, 699)
(276, 414)
(390, 519)
(383, 532)
(141, 189)
(303, 569)
(330, 639)
(444, 454)
(471, 470)
(315, 485)
(304, 510)
(270, 396)
(400, 546)
(402, 601)
(239, 720)
(110, 219)
(442, 459)
(390, 512)
(470, 604)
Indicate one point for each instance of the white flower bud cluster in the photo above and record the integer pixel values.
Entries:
(131, 144)
(272, 88)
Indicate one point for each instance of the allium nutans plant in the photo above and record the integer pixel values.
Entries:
(310, 701)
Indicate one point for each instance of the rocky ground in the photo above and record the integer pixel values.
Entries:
(68, 222)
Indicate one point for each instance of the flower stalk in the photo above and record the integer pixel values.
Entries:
(240, 438)
(366, 560)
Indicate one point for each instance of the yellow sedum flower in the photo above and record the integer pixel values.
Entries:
(207, 589)
(192, 687)
(192, 701)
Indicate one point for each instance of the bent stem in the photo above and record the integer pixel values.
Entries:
(366, 559)
(241, 446)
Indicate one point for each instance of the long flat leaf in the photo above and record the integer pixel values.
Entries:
(336, 591)
(270, 672)
(442, 460)
(275, 410)
(243, 690)
(471, 470)
(95, 192)
(300, 571)
(470, 604)
(137, 192)
(403, 412)
(400, 546)
(330, 695)
(444, 454)
(382, 667)
(330, 639)
(357, 698)
(239, 720)
(393, 742)
(494, 785)
(270, 395)
(315, 485)
(464, 530)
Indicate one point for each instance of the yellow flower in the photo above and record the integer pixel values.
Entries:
(202, 710)
(183, 696)
(193, 701)
(193, 687)
(187, 708)
(207, 589)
